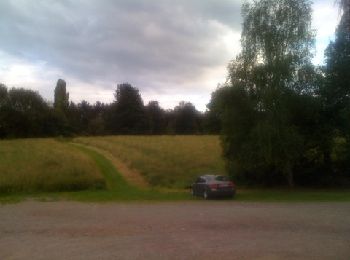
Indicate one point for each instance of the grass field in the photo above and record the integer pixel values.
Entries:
(30, 165)
(47, 169)
(166, 161)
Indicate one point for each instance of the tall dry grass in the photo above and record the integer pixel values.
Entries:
(170, 161)
(45, 165)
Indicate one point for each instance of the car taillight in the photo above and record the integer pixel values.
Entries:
(231, 184)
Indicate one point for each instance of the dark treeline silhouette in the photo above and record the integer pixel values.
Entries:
(24, 113)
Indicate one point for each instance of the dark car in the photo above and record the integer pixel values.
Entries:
(210, 186)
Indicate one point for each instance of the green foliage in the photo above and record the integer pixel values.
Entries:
(127, 115)
(60, 122)
(23, 113)
(127, 112)
(186, 119)
(3, 94)
(61, 97)
(155, 116)
(269, 82)
(336, 90)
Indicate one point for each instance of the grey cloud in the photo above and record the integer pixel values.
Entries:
(137, 40)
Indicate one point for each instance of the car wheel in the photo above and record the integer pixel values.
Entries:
(205, 195)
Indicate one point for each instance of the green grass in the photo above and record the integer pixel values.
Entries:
(164, 161)
(29, 157)
(42, 165)
(118, 189)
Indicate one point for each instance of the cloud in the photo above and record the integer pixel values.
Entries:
(174, 50)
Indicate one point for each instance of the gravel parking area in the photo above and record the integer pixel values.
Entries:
(179, 230)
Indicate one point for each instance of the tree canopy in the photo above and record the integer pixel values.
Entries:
(260, 136)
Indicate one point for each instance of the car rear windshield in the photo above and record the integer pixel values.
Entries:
(222, 178)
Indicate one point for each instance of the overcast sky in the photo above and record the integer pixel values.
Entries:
(171, 50)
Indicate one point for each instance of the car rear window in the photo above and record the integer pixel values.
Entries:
(222, 178)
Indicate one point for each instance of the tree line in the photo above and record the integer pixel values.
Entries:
(284, 120)
(24, 113)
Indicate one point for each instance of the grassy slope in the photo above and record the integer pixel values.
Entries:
(117, 188)
(31, 165)
(167, 161)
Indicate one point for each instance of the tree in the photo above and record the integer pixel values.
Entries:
(3, 101)
(127, 111)
(185, 119)
(23, 114)
(61, 105)
(336, 91)
(259, 137)
(3, 94)
(156, 120)
(61, 102)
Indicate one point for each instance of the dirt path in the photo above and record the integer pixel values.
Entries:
(181, 230)
(132, 176)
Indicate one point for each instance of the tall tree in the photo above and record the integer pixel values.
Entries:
(274, 66)
(156, 120)
(185, 118)
(61, 105)
(61, 101)
(336, 91)
(127, 112)
(3, 94)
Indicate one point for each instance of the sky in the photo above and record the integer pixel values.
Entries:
(170, 50)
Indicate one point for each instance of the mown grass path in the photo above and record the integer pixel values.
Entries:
(119, 188)
(130, 175)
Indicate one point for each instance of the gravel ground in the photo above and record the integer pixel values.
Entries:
(179, 230)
